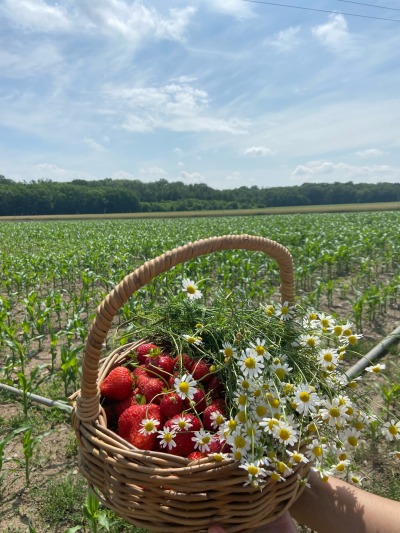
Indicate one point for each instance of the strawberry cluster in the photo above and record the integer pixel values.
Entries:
(164, 403)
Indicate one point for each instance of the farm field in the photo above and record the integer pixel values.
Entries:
(55, 273)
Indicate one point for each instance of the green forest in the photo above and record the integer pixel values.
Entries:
(47, 197)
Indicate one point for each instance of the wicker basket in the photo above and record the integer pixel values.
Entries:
(159, 491)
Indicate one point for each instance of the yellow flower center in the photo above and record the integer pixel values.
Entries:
(311, 342)
(167, 437)
(271, 423)
(281, 467)
(284, 434)
(352, 339)
(261, 410)
(232, 424)
(275, 476)
(285, 310)
(393, 430)
(182, 424)
(297, 457)
(191, 340)
(313, 316)
(245, 384)
(334, 412)
(237, 456)
(352, 440)
(338, 330)
(340, 467)
(206, 439)
(184, 387)
(250, 362)
(312, 428)
(240, 441)
(317, 451)
(242, 417)
(347, 332)
(190, 289)
(280, 372)
(149, 425)
(328, 357)
(343, 456)
(228, 352)
(252, 470)
(260, 350)
(242, 399)
(325, 322)
(304, 396)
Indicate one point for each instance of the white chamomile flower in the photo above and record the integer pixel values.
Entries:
(308, 341)
(355, 479)
(254, 471)
(191, 289)
(391, 430)
(269, 309)
(269, 424)
(315, 450)
(192, 339)
(166, 437)
(297, 457)
(306, 399)
(281, 370)
(328, 358)
(219, 456)
(217, 419)
(239, 442)
(228, 350)
(285, 433)
(340, 468)
(334, 412)
(181, 424)
(259, 347)
(148, 426)
(395, 454)
(202, 440)
(185, 386)
(284, 311)
(250, 363)
(350, 437)
(376, 369)
(326, 321)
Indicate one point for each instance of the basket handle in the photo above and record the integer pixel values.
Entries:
(88, 398)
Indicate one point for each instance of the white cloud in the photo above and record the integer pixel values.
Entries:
(56, 173)
(191, 176)
(257, 151)
(134, 21)
(176, 107)
(235, 8)
(151, 173)
(335, 35)
(286, 40)
(370, 152)
(123, 175)
(93, 144)
(317, 171)
(36, 15)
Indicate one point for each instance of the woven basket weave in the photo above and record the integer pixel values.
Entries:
(158, 491)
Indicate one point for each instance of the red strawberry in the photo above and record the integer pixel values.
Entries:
(215, 386)
(199, 402)
(183, 438)
(171, 404)
(151, 388)
(183, 362)
(139, 371)
(217, 407)
(118, 384)
(133, 399)
(130, 425)
(217, 445)
(200, 370)
(143, 351)
(160, 366)
(195, 456)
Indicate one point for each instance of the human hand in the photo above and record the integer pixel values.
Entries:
(283, 524)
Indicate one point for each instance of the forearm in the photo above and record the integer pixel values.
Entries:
(329, 507)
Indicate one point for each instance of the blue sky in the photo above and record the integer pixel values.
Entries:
(222, 92)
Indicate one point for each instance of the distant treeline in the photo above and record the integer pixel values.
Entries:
(47, 197)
